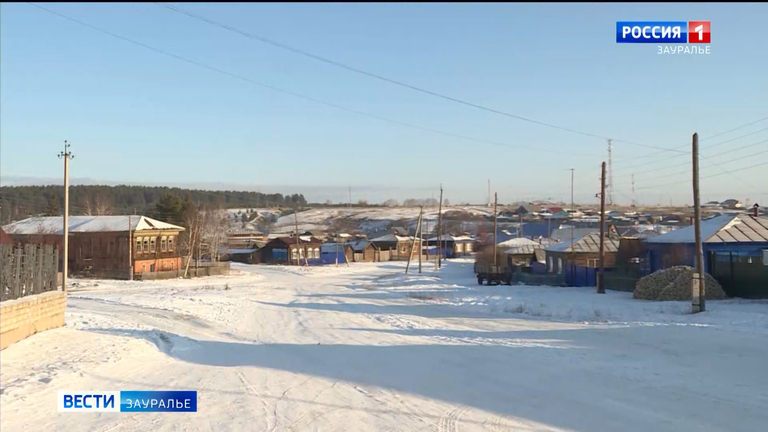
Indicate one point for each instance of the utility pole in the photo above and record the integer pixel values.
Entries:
(439, 255)
(427, 221)
(610, 173)
(600, 287)
(421, 236)
(130, 249)
(192, 242)
(495, 241)
(199, 246)
(66, 155)
(350, 196)
(488, 203)
(698, 294)
(634, 202)
(298, 240)
(520, 231)
(569, 216)
(413, 243)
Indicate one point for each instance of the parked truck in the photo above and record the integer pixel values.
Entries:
(492, 274)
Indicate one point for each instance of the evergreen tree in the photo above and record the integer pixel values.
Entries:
(53, 206)
(170, 209)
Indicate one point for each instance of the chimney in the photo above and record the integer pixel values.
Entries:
(755, 207)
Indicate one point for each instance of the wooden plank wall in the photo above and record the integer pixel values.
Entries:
(28, 270)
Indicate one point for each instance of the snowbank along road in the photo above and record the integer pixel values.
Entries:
(366, 348)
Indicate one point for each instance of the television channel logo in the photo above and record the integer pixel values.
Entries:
(127, 401)
(663, 32)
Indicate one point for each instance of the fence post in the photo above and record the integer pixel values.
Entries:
(17, 273)
(39, 285)
(55, 267)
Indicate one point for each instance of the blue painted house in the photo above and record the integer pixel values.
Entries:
(734, 247)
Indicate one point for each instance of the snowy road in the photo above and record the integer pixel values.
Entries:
(362, 348)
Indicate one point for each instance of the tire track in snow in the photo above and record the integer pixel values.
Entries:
(253, 392)
(449, 422)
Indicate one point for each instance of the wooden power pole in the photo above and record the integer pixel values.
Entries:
(413, 243)
(298, 239)
(66, 155)
(495, 240)
(439, 254)
(130, 249)
(600, 286)
(421, 236)
(698, 289)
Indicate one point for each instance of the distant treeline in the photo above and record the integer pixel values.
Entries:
(19, 202)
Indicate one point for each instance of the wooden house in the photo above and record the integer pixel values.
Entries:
(5, 238)
(582, 252)
(287, 250)
(733, 250)
(106, 246)
(397, 247)
(363, 251)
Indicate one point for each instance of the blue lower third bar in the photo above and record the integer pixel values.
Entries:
(658, 32)
(158, 401)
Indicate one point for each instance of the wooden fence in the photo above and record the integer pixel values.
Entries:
(28, 270)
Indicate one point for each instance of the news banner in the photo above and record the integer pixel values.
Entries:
(696, 35)
(127, 401)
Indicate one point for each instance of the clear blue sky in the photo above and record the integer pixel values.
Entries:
(134, 115)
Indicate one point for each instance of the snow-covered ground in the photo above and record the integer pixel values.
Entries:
(368, 218)
(367, 348)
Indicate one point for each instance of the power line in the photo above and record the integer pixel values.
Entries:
(301, 96)
(710, 176)
(706, 147)
(628, 174)
(708, 157)
(393, 81)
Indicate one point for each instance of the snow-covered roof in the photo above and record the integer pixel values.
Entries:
(392, 238)
(517, 242)
(81, 224)
(528, 249)
(240, 251)
(448, 237)
(359, 245)
(727, 228)
(564, 233)
(589, 243)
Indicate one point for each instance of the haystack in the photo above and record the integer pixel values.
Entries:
(674, 283)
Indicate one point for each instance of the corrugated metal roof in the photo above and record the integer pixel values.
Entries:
(55, 224)
(743, 229)
(729, 228)
(590, 243)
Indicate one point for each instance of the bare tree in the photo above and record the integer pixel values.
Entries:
(102, 205)
(87, 206)
(213, 231)
(391, 203)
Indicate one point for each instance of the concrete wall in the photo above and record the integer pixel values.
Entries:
(26, 316)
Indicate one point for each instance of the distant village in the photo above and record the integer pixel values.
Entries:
(537, 243)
